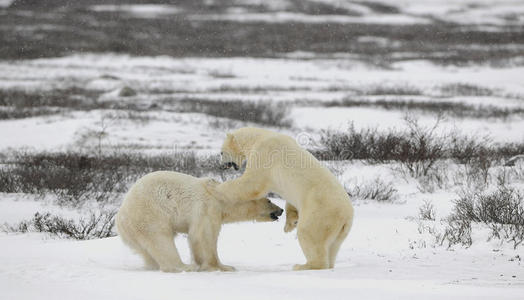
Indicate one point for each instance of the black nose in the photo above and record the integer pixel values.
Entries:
(277, 213)
(229, 165)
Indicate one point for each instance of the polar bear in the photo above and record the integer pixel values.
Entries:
(162, 204)
(316, 202)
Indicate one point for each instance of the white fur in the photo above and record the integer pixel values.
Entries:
(276, 163)
(162, 204)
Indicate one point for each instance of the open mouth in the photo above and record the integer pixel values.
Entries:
(230, 164)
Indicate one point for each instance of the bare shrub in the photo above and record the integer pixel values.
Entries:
(262, 89)
(66, 97)
(451, 108)
(507, 175)
(221, 123)
(97, 225)
(369, 144)
(465, 89)
(76, 178)
(476, 173)
(16, 104)
(427, 211)
(272, 114)
(502, 211)
(434, 179)
(375, 190)
(336, 168)
(401, 90)
(429, 226)
(463, 149)
(140, 117)
(421, 151)
(511, 162)
(476, 158)
(457, 232)
(417, 149)
(213, 38)
(320, 8)
(20, 113)
(72, 178)
(217, 73)
(509, 150)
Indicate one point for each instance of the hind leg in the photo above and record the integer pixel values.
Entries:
(335, 246)
(316, 252)
(161, 247)
(315, 240)
(149, 261)
(128, 239)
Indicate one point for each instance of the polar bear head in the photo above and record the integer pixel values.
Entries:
(239, 143)
(232, 154)
(261, 210)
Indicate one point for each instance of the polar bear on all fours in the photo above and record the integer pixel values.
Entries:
(162, 204)
(276, 163)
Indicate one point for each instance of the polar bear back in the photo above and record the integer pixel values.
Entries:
(167, 197)
(295, 172)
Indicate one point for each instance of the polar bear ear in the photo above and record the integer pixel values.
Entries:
(231, 142)
(230, 138)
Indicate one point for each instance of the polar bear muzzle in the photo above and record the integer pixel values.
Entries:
(277, 213)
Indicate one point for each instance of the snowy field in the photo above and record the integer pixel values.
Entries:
(94, 95)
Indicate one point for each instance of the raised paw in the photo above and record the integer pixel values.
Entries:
(291, 218)
(290, 225)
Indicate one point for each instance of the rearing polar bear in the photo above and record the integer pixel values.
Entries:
(276, 163)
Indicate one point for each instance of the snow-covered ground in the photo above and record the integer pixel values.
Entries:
(285, 80)
(384, 256)
(475, 12)
(144, 10)
(284, 17)
(375, 262)
(465, 12)
(5, 3)
(388, 253)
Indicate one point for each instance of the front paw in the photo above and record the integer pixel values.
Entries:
(192, 268)
(176, 268)
(300, 267)
(223, 268)
(226, 268)
(290, 226)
